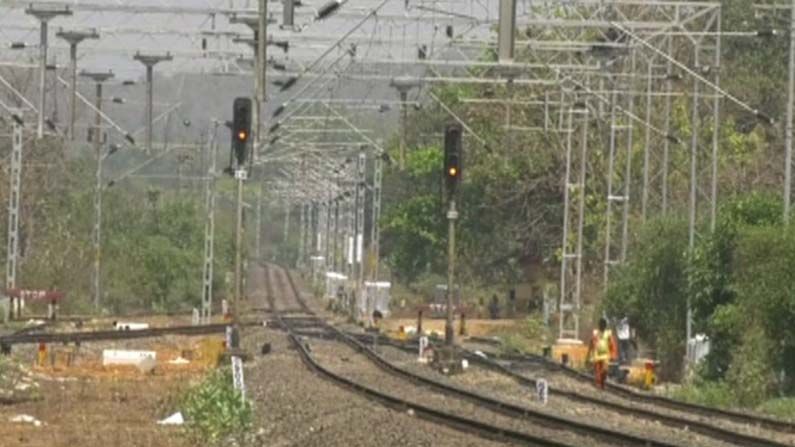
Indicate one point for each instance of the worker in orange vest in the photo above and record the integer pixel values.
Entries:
(602, 350)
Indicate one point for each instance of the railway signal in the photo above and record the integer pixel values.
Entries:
(453, 153)
(241, 128)
(447, 359)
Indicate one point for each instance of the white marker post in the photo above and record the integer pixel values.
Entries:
(237, 377)
(423, 346)
(542, 391)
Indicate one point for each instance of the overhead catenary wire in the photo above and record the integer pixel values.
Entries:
(740, 103)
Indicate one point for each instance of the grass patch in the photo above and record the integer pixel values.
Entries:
(783, 407)
(711, 394)
(525, 335)
(15, 384)
(720, 395)
(215, 411)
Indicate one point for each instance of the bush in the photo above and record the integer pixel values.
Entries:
(713, 269)
(527, 335)
(751, 373)
(783, 407)
(710, 393)
(215, 411)
(651, 290)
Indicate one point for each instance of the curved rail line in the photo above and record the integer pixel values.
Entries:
(456, 422)
(662, 401)
(703, 428)
(612, 437)
(85, 336)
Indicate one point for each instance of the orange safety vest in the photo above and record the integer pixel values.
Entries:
(603, 346)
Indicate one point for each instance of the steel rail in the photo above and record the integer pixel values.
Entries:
(628, 393)
(625, 392)
(84, 336)
(621, 391)
(506, 408)
(453, 421)
(703, 428)
(712, 431)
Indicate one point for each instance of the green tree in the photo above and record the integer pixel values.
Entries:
(711, 275)
(651, 289)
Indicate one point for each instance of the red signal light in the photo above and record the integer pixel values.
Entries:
(452, 171)
(242, 135)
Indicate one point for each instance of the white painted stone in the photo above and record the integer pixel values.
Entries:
(130, 326)
(25, 418)
(125, 357)
(174, 419)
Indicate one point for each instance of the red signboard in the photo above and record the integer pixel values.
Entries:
(40, 295)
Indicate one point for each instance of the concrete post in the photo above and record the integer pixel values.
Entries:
(98, 78)
(44, 16)
(149, 62)
(74, 38)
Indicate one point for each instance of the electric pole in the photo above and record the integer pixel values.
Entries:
(259, 25)
(375, 230)
(74, 38)
(260, 65)
(149, 62)
(98, 78)
(12, 251)
(361, 188)
(209, 232)
(403, 86)
(44, 16)
(258, 236)
(788, 125)
(506, 31)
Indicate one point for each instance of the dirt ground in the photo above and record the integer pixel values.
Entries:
(475, 328)
(87, 404)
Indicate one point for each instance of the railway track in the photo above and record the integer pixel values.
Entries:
(663, 415)
(616, 404)
(30, 337)
(662, 401)
(735, 433)
(729, 429)
(509, 422)
(29, 329)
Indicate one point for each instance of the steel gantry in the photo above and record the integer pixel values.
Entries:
(99, 78)
(617, 65)
(571, 270)
(599, 78)
(209, 229)
(15, 180)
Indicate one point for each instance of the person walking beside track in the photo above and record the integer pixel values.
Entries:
(601, 351)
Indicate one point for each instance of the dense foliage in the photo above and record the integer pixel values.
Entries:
(512, 199)
(152, 244)
(739, 280)
(510, 203)
(652, 290)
